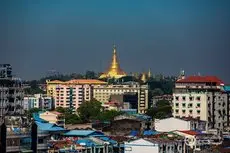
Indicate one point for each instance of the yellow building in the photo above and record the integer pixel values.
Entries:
(103, 93)
(114, 70)
(53, 117)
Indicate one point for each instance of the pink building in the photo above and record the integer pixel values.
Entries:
(71, 94)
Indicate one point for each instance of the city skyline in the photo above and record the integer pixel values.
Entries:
(75, 37)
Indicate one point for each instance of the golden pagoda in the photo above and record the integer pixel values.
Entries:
(114, 70)
(143, 77)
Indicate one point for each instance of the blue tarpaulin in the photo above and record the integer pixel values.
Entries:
(134, 133)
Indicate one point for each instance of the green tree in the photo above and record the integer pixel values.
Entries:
(34, 88)
(90, 75)
(163, 109)
(157, 92)
(108, 115)
(70, 118)
(90, 110)
(30, 112)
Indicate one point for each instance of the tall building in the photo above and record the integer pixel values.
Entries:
(114, 70)
(103, 93)
(11, 93)
(41, 101)
(201, 97)
(71, 94)
(5, 71)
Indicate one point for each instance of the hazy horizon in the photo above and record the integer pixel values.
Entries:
(73, 36)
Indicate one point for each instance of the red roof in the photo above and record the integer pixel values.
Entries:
(190, 132)
(201, 79)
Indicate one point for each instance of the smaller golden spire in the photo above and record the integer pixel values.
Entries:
(149, 74)
(143, 77)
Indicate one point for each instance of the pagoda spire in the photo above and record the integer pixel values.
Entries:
(149, 73)
(114, 70)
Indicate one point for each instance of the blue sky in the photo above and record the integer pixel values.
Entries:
(75, 36)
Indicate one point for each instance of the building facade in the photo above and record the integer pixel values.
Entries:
(71, 94)
(11, 93)
(53, 117)
(103, 93)
(41, 101)
(201, 97)
(162, 125)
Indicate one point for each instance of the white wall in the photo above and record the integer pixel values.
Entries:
(171, 124)
(141, 146)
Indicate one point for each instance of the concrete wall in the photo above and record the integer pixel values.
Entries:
(171, 124)
(141, 146)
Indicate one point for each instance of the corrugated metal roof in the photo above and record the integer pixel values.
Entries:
(106, 138)
(86, 142)
(150, 132)
(227, 88)
(83, 133)
(48, 127)
(201, 79)
(36, 117)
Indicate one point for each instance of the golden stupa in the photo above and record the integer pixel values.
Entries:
(143, 77)
(114, 70)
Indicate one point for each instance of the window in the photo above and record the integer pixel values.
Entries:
(191, 98)
(183, 104)
(177, 111)
(177, 98)
(198, 98)
(190, 111)
(183, 98)
(198, 111)
(177, 105)
(189, 105)
(198, 105)
(183, 111)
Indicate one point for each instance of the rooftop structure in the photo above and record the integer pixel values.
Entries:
(114, 71)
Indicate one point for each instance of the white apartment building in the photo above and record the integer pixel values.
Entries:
(201, 97)
(103, 93)
(38, 101)
(71, 94)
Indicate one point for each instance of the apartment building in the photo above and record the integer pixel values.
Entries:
(11, 93)
(41, 101)
(71, 94)
(103, 93)
(202, 97)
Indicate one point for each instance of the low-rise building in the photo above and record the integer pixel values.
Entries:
(53, 117)
(153, 146)
(124, 124)
(103, 94)
(171, 124)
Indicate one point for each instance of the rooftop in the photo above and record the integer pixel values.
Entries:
(48, 127)
(201, 79)
(82, 133)
(191, 132)
(77, 81)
